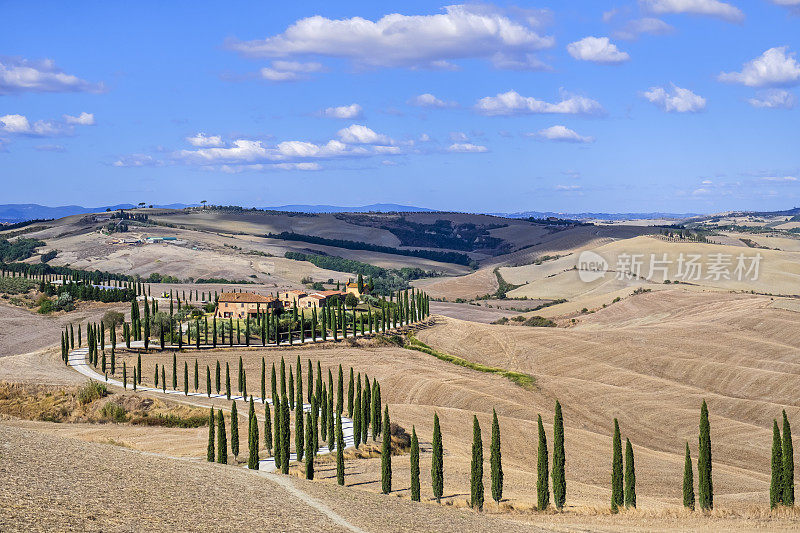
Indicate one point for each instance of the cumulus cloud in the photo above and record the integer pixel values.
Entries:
(289, 70)
(137, 160)
(711, 8)
(429, 100)
(84, 119)
(395, 40)
(20, 125)
(359, 134)
(597, 50)
(23, 75)
(649, 25)
(344, 111)
(568, 187)
(675, 99)
(780, 179)
(513, 103)
(773, 68)
(561, 133)
(201, 139)
(466, 148)
(774, 99)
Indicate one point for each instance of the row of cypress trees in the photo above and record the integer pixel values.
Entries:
(781, 489)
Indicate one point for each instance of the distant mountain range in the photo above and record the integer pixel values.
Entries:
(377, 208)
(598, 216)
(20, 212)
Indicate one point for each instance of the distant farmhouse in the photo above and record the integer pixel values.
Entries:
(248, 304)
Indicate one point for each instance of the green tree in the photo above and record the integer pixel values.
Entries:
(617, 495)
(174, 372)
(357, 414)
(542, 482)
(285, 434)
(222, 439)
(788, 463)
(278, 440)
(299, 433)
(776, 483)
(386, 456)
(186, 378)
(704, 481)
(495, 460)
(309, 445)
(559, 459)
(339, 451)
(208, 381)
(437, 465)
(476, 470)
(630, 476)
(234, 430)
(227, 381)
(210, 451)
(415, 496)
(340, 392)
(252, 445)
(350, 393)
(688, 481)
(267, 429)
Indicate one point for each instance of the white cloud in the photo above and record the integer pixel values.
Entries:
(568, 187)
(20, 125)
(634, 28)
(561, 133)
(774, 99)
(84, 119)
(773, 68)
(513, 103)
(504, 61)
(712, 8)
(201, 139)
(241, 150)
(395, 40)
(425, 138)
(345, 111)
(359, 134)
(597, 50)
(299, 166)
(289, 70)
(137, 160)
(675, 99)
(458, 136)
(466, 148)
(49, 148)
(22, 75)
(783, 179)
(429, 100)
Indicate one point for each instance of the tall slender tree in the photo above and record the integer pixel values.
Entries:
(476, 478)
(222, 439)
(285, 434)
(339, 451)
(704, 481)
(210, 451)
(617, 495)
(234, 431)
(688, 481)
(788, 463)
(495, 460)
(299, 433)
(776, 483)
(630, 476)
(309, 444)
(415, 495)
(386, 456)
(276, 427)
(437, 465)
(559, 459)
(267, 429)
(252, 445)
(542, 481)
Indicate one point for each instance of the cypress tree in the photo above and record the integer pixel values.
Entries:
(299, 434)
(227, 381)
(163, 380)
(124, 375)
(476, 470)
(414, 465)
(339, 451)
(542, 487)
(218, 383)
(267, 429)
(208, 381)
(323, 426)
(776, 483)
(186, 378)
(310, 381)
(196, 378)
(222, 439)
(437, 465)
(263, 381)
(283, 378)
(234, 430)
(617, 495)
(559, 459)
(340, 392)
(350, 392)
(210, 452)
(688, 481)
(630, 476)
(277, 443)
(174, 372)
(139, 368)
(291, 388)
(309, 445)
(788, 463)
(241, 381)
(357, 417)
(386, 456)
(274, 385)
(252, 445)
(496, 461)
(366, 409)
(704, 481)
(285, 435)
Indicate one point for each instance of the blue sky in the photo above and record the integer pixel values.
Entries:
(638, 105)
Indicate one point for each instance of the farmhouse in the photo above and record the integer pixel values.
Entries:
(319, 298)
(352, 288)
(244, 304)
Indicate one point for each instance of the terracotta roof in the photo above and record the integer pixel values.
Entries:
(317, 296)
(330, 293)
(244, 298)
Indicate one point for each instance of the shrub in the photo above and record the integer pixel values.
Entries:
(16, 285)
(45, 307)
(64, 302)
(113, 318)
(539, 322)
(92, 391)
(518, 318)
(113, 412)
